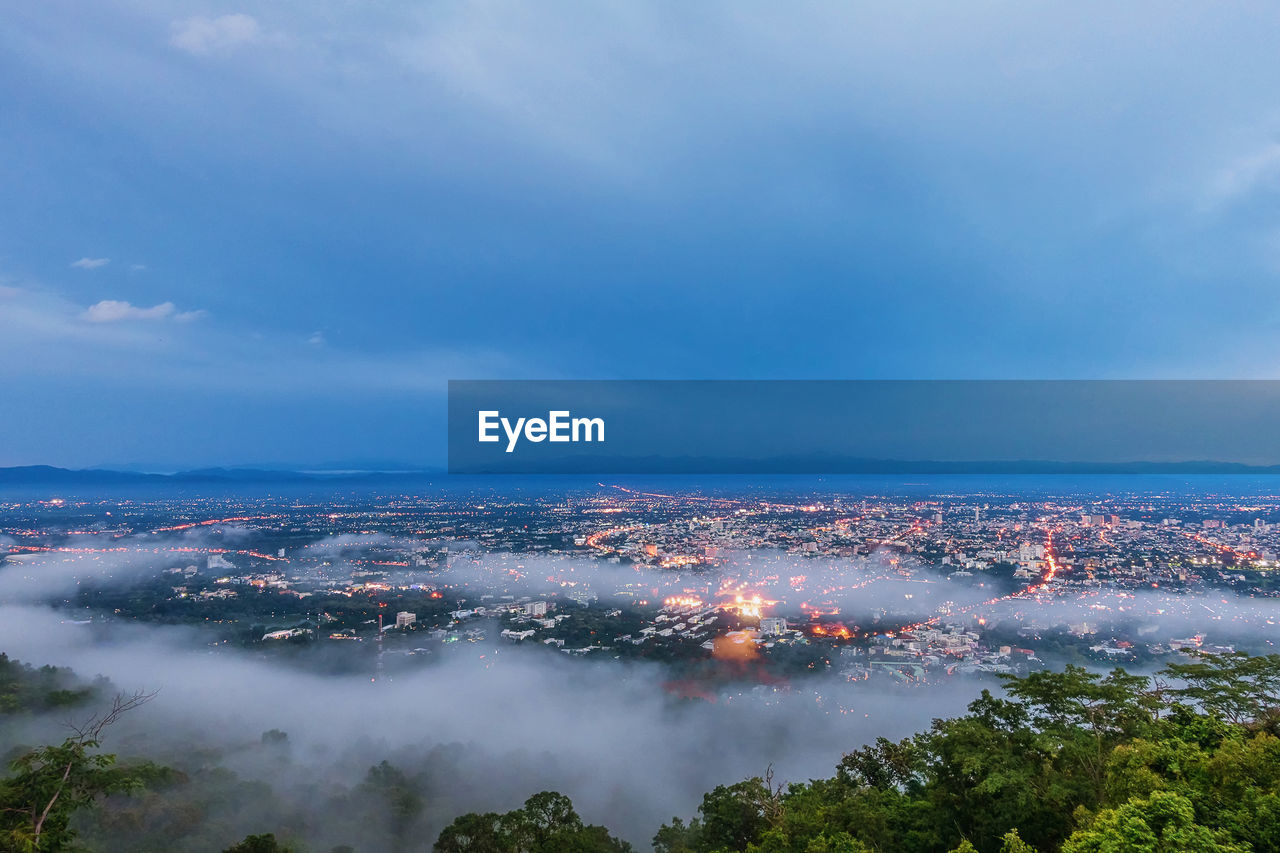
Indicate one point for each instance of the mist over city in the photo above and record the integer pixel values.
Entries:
(492, 640)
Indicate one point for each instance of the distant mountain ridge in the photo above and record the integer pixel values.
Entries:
(37, 475)
(49, 475)
(830, 464)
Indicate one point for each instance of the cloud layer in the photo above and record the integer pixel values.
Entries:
(996, 191)
(201, 35)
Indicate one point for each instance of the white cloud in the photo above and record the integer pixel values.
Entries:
(317, 339)
(202, 36)
(113, 339)
(90, 263)
(1258, 170)
(114, 311)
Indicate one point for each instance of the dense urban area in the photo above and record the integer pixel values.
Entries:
(909, 589)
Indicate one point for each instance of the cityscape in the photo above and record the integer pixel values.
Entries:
(737, 626)
(911, 588)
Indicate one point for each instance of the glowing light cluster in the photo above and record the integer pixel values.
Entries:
(748, 607)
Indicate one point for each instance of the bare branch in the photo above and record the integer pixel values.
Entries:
(91, 729)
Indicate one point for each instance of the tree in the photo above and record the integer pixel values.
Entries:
(1118, 705)
(779, 841)
(545, 815)
(734, 815)
(885, 765)
(1161, 823)
(677, 837)
(1011, 843)
(547, 823)
(475, 833)
(1238, 687)
(1105, 760)
(265, 843)
(49, 784)
(400, 795)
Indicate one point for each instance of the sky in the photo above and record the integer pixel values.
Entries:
(268, 233)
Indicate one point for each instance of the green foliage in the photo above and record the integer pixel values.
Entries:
(1011, 843)
(775, 841)
(1236, 687)
(1072, 761)
(734, 815)
(26, 689)
(47, 785)
(546, 823)
(676, 837)
(265, 843)
(1161, 823)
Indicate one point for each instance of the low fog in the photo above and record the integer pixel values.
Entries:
(484, 725)
(42, 575)
(606, 734)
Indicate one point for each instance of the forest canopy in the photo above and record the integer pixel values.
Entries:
(1073, 761)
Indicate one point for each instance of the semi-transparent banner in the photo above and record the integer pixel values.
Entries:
(864, 427)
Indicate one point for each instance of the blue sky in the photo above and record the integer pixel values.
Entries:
(254, 233)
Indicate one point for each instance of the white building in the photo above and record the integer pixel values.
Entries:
(772, 626)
